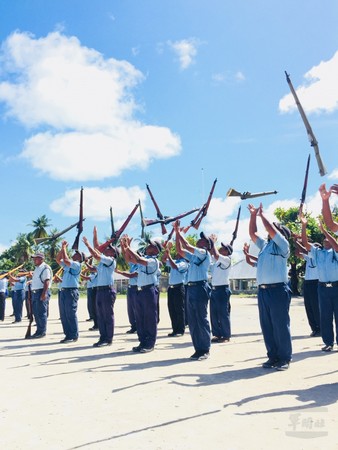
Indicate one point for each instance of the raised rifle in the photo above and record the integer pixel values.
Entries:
(160, 216)
(244, 195)
(56, 235)
(302, 200)
(30, 312)
(79, 225)
(196, 222)
(118, 233)
(168, 219)
(311, 136)
(112, 223)
(234, 234)
(4, 275)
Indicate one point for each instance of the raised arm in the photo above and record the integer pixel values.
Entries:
(326, 210)
(332, 240)
(253, 223)
(305, 241)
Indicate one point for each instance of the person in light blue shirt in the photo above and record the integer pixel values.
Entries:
(178, 267)
(106, 255)
(19, 285)
(273, 291)
(147, 292)
(326, 260)
(198, 290)
(69, 292)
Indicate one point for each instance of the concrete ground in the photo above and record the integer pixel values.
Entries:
(74, 396)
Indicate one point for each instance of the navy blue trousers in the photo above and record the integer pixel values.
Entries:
(197, 301)
(146, 316)
(18, 299)
(328, 304)
(68, 300)
(311, 303)
(220, 312)
(273, 305)
(131, 305)
(176, 297)
(40, 309)
(105, 300)
(2, 305)
(91, 304)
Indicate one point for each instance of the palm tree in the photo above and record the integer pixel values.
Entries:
(22, 249)
(40, 225)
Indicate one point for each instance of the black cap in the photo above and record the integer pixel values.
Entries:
(283, 230)
(208, 239)
(156, 244)
(227, 247)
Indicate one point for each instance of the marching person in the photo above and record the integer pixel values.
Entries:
(147, 292)
(198, 290)
(273, 292)
(220, 292)
(131, 295)
(106, 255)
(69, 292)
(176, 291)
(41, 283)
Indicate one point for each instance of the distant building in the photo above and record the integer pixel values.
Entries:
(243, 278)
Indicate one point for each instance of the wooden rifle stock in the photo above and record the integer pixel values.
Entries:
(4, 275)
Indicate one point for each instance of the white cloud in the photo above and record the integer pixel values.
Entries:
(97, 202)
(320, 91)
(333, 175)
(228, 77)
(85, 103)
(185, 50)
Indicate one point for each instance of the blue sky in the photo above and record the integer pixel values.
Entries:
(114, 95)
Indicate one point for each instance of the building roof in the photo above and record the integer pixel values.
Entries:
(242, 271)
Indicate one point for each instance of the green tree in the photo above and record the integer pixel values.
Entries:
(40, 225)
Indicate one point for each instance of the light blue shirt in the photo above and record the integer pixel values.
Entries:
(176, 276)
(199, 261)
(148, 274)
(3, 285)
(327, 264)
(21, 284)
(71, 275)
(92, 281)
(132, 268)
(105, 271)
(311, 270)
(272, 260)
(220, 270)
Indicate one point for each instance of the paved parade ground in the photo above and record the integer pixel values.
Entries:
(74, 396)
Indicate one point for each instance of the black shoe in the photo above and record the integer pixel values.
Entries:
(66, 340)
(270, 364)
(282, 365)
(93, 328)
(327, 348)
(175, 334)
(315, 333)
(131, 331)
(16, 321)
(38, 335)
(146, 350)
(102, 344)
(196, 355)
(137, 349)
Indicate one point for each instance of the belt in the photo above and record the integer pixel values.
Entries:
(172, 286)
(141, 288)
(310, 281)
(132, 286)
(328, 284)
(219, 286)
(37, 290)
(68, 289)
(272, 285)
(102, 288)
(196, 283)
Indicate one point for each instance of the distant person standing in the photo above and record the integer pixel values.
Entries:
(273, 292)
(3, 294)
(41, 283)
(19, 285)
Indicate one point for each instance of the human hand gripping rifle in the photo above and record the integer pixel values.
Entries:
(203, 211)
(75, 246)
(302, 200)
(311, 136)
(119, 232)
(4, 275)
